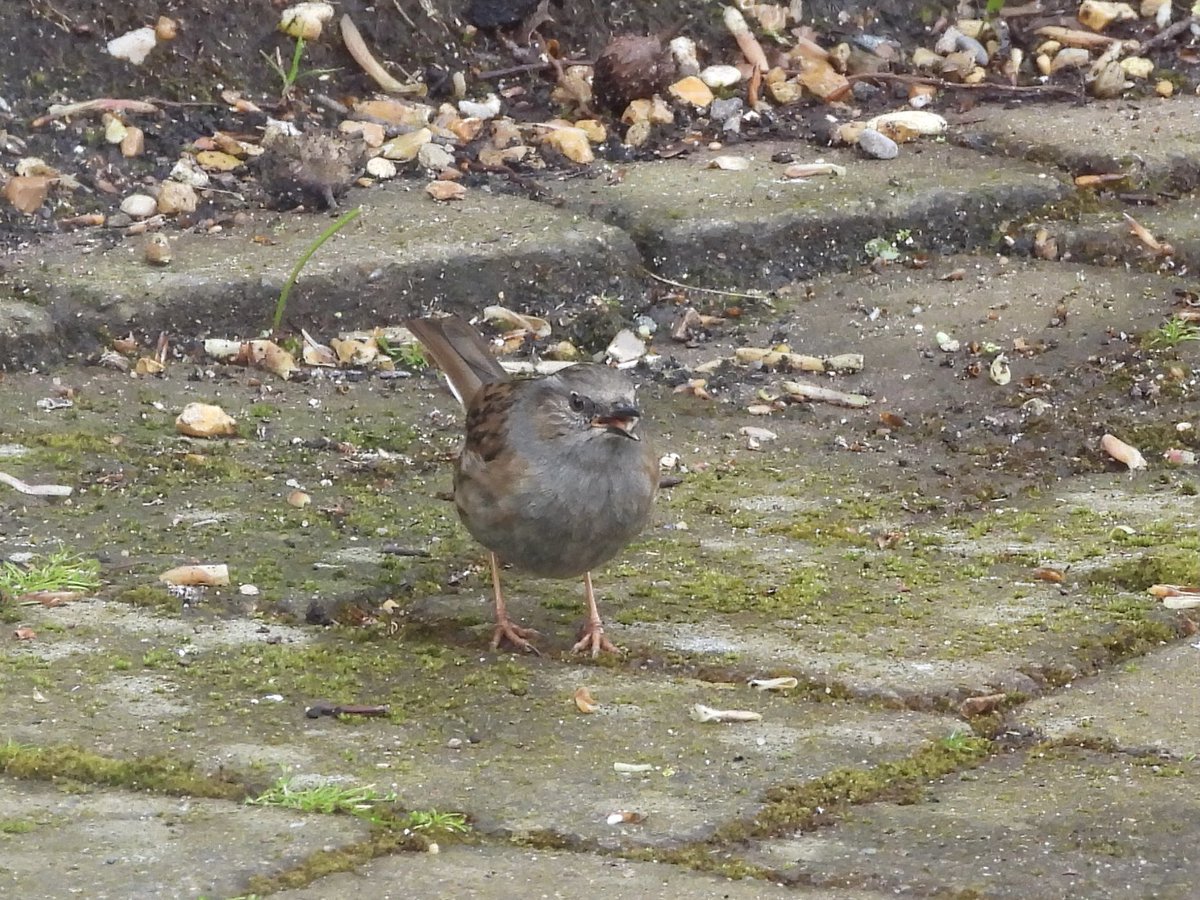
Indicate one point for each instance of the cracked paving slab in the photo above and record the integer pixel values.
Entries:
(711, 226)
(502, 741)
(111, 845)
(1146, 704)
(401, 253)
(494, 872)
(1068, 823)
(1153, 142)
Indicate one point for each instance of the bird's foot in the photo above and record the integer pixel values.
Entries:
(507, 631)
(592, 640)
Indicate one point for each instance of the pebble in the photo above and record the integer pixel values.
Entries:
(139, 206)
(721, 76)
(864, 91)
(877, 146)
(379, 167)
(725, 109)
(435, 156)
(175, 197)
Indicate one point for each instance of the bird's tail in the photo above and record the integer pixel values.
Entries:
(461, 354)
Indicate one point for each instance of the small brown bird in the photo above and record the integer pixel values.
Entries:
(631, 67)
(552, 478)
(314, 168)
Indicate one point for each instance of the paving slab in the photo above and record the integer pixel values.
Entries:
(754, 227)
(499, 740)
(1152, 140)
(1069, 824)
(112, 844)
(404, 253)
(1144, 705)
(498, 873)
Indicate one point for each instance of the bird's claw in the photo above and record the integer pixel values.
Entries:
(592, 639)
(508, 631)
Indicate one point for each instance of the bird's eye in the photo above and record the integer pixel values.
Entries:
(577, 402)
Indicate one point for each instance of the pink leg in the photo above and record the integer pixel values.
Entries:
(506, 629)
(592, 634)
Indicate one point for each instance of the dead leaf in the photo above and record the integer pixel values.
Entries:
(729, 163)
(1143, 234)
(978, 706)
(213, 574)
(444, 191)
(1122, 452)
(584, 702)
(50, 598)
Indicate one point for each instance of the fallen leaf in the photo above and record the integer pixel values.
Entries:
(445, 190)
(214, 574)
(584, 702)
(1122, 452)
(50, 598)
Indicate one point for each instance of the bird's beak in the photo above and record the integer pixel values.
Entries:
(620, 420)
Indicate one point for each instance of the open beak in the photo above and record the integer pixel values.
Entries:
(621, 420)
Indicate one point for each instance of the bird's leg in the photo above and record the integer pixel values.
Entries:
(506, 629)
(591, 635)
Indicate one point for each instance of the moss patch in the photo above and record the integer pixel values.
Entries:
(160, 774)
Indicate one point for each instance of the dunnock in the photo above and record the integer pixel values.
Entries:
(552, 478)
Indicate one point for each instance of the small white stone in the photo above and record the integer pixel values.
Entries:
(139, 206)
(134, 45)
(626, 347)
(488, 109)
(114, 131)
(721, 76)
(379, 167)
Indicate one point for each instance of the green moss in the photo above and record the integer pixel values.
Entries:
(161, 774)
(323, 863)
(791, 808)
(148, 596)
(703, 858)
(17, 826)
(1166, 566)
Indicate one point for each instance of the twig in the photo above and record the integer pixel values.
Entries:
(36, 490)
(1029, 9)
(394, 550)
(1169, 33)
(159, 101)
(704, 290)
(98, 105)
(531, 67)
(325, 708)
(531, 187)
(954, 85)
(330, 104)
